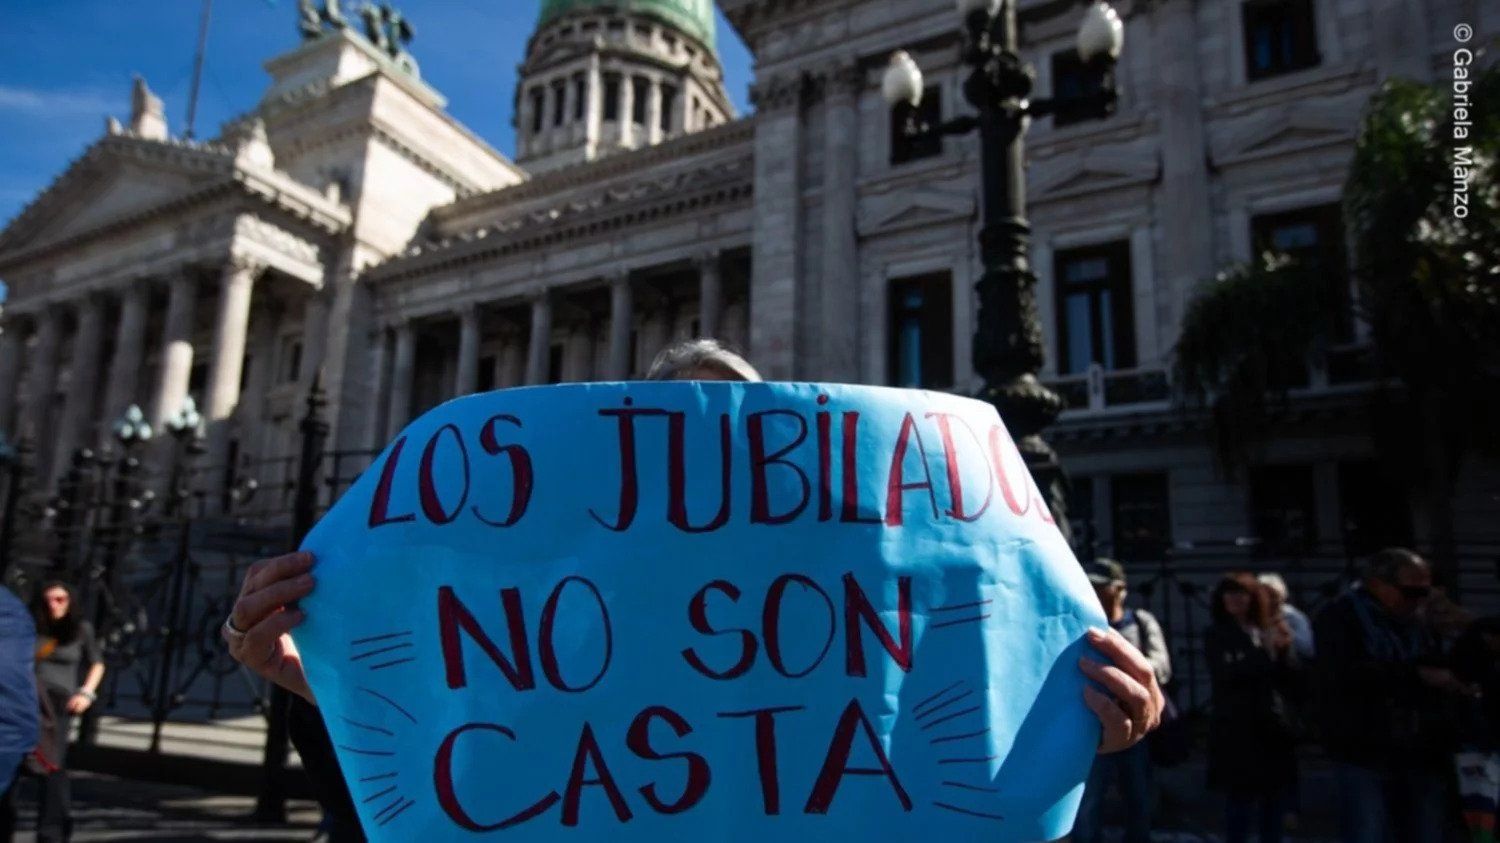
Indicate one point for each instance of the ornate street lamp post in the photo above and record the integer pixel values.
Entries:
(1008, 349)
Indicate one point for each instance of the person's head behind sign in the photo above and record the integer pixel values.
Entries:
(700, 360)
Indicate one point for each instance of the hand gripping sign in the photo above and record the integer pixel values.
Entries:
(702, 611)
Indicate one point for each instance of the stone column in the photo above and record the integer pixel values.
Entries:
(1183, 196)
(621, 318)
(510, 365)
(549, 97)
(539, 347)
(839, 284)
(466, 382)
(12, 361)
(653, 112)
(710, 295)
(577, 352)
(380, 342)
(83, 381)
(41, 381)
(176, 349)
(627, 110)
(403, 366)
(593, 109)
(259, 377)
(314, 338)
(656, 332)
(776, 258)
(231, 328)
(570, 103)
(130, 342)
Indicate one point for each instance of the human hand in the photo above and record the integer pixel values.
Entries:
(1133, 703)
(79, 703)
(257, 629)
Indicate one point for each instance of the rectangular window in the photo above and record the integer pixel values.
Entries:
(920, 340)
(538, 109)
(668, 104)
(559, 97)
(1283, 511)
(1280, 37)
(1314, 237)
(1072, 81)
(580, 95)
(1140, 509)
(638, 105)
(905, 148)
(1095, 323)
(611, 97)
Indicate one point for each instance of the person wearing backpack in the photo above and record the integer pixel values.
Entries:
(1131, 768)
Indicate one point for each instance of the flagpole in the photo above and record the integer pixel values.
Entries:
(192, 110)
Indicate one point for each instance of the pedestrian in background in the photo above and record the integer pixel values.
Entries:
(69, 668)
(1386, 702)
(18, 702)
(1295, 619)
(1251, 740)
(1130, 769)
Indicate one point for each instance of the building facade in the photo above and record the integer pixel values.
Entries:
(347, 229)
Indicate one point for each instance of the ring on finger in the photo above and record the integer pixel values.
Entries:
(231, 632)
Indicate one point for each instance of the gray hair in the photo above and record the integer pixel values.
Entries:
(681, 358)
(1274, 582)
(1386, 564)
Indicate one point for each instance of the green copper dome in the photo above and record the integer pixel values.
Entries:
(693, 17)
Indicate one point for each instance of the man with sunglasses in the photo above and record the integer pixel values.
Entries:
(1384, 695)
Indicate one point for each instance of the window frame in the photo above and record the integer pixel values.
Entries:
(1121, 287)
(936, 320)
(1280, 14)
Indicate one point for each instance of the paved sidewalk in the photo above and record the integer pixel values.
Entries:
(106, 808)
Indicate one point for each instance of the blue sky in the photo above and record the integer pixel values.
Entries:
(68, 63)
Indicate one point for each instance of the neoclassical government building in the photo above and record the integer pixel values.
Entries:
(347, 228)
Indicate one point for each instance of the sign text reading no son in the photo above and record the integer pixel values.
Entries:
(793, 467)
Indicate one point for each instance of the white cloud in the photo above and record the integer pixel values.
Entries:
(37, 103)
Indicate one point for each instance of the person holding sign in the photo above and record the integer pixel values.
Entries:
(733, 611)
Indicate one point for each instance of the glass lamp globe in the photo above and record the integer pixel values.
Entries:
(1101, 33)
(903, 80)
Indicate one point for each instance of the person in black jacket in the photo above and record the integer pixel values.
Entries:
(1251, 742)
(1386, 702)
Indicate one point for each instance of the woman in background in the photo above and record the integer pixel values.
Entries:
(69, 668)
(1251, 739)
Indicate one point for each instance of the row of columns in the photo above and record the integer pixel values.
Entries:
(617, 362)
(39, 363)
(593, 109)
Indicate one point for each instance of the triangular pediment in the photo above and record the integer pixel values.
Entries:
(1289, 130)
(1090, 173)
(106, 185)
(909, 209)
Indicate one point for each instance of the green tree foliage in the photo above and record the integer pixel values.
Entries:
(1427, 282)
(1245, 341)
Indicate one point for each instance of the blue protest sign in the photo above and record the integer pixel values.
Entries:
(702, 611)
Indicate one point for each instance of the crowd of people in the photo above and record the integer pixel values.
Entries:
(1400, 691)
(1397, 685)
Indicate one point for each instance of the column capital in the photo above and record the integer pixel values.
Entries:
(844, 77)
(239, 262)
(707, 258)
(618, 276)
